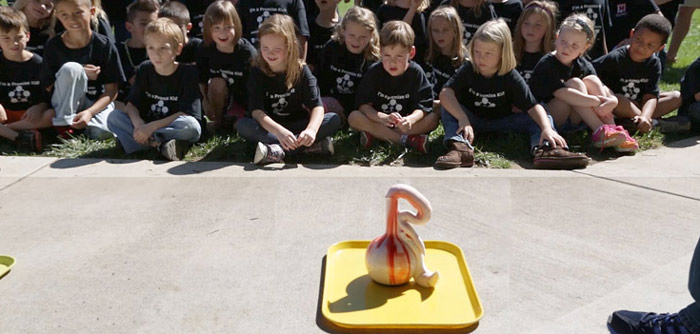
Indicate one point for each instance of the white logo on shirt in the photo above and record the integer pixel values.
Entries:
(592, 14)
(278, 106)
(344, 84)
(484, 102)
(19, 95)
(630, 90)
(229, 79)
(467, 37)
(391, 107)
(432, 78)
(159, 108)
(527, 75)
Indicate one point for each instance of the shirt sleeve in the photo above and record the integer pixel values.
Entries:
(605, 67)
(112, 72)
(519, 92)
(189, 101)
(311, 96)
(366, 89)
(301, 18)
(544, 81)
(654, 78)
(458, 82)
(690, 84)
(256, 94)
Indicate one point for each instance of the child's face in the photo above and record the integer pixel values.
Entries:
(223, 33)
(273, 48)
(138, 25)
(161, 51)
(395, 58)
(570, 44)
(442, 34)
(644, 43)
(534, 28)
(356, 37)
(75, 18)
(327, 5)
(38, 9)
(487, 56)
(13, 42)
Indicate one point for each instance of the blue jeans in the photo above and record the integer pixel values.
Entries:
(182, 128)
(252, 131)
(69, 98)
(515, 122)
(691, 314)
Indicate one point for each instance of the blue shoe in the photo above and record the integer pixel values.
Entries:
(629, 322)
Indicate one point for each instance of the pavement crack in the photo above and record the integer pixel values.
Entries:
(24, 177)
(639, 186)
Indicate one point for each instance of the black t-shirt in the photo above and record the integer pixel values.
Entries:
(493, 97)
(232, 67)
(510, 12)
(549, 75)
(99, 52)
(254, 12)
(439, 71)
(271, 95)
(103, 28)
(527, 64)
(189, 51)
(388, 94)
(597, 11)
(690, 85)
(389, 13)
(130, 58)
(319, 37)
(626, 77)
(372, 5)
(20, 83)
(157, 96)
(470, 21)
(116, 9)
(37, 39)
(339, 72)
(624, 15)
(197, 9)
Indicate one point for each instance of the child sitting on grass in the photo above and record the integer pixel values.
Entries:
(395, 98)
(163, 108)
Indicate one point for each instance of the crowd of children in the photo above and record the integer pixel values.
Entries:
(288, 74)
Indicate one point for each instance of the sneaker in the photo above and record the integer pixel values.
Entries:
(267, 154)
(65, 132)
(174, 150)
(324, 147)
(366, 139)
(461, 155)
(29, 140)
(629, 145)
(629, 322)
(673, 124)
(547, 157)
(607, 135)
(417, 142)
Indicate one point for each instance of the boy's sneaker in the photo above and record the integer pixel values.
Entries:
(629, 145)
(608, 135)
(629, 322)
(417, 142)
(673, 124)
(29, 140)
(366, 139)
(267, 154)
(323, 147)
(65, 132)
(547, 157)
(174, 150)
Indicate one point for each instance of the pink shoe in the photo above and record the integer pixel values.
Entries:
(608, 135)
(629, 145)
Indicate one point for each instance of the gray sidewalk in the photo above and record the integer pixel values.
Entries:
(152, 247)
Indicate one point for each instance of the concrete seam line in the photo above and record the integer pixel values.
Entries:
(24, 177)
(640, 186)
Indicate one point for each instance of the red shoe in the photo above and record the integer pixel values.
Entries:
(65, 132)
(366, 139)
(418, 143)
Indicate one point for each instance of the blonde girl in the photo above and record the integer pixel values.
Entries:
(39, 15)
(100, 22)
(534, 35)
(352, 49)
(411, 12)
(574, 95)
(223, 64)
(480, 96)
(446, 52)
(473, 14)
(284, 104)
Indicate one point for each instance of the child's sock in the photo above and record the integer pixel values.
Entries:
(403, 140)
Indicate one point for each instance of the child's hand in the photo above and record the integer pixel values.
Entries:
(287, 139)
(81, 120)
(607, 104)
(142, 134)
(466, 130)
(395, 118)
(553, 138)
(386, 119)
(306, 138)
(643, 123)
(404, 125)
(92, 71)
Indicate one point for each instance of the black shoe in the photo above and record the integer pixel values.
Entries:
(174, 150)
(29, 140)
(630, 322)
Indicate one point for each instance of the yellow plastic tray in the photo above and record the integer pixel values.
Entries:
(352, 300)
(6, 263)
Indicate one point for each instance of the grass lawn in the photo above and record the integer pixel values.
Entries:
(491, 150)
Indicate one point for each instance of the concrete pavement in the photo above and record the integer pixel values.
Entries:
(153, 247)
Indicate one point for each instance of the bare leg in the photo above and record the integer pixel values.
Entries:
(44, 122)
(8, 133)
(668, 101)
(680, 29)
(626, 108)
(586, 113)
(425, 125)
(217, 97)
(360, 122)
